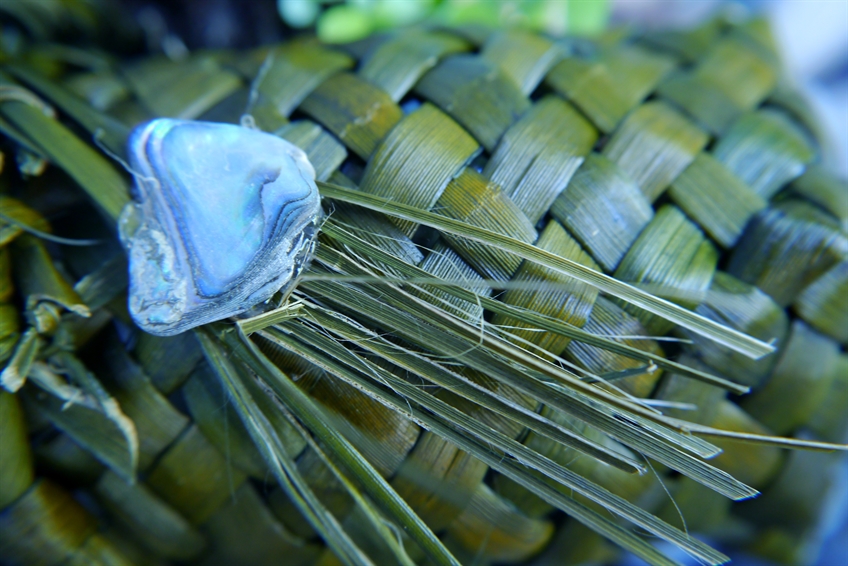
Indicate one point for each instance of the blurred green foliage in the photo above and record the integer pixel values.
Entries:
(340, 21)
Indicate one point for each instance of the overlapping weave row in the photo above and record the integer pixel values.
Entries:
(676, 162)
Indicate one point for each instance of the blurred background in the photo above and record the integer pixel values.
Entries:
(813, 34)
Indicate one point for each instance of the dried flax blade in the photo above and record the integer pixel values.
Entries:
(158, 525)
(16, 217)
(102, 88)
(672, 256)
(280, 463)
(434, 373)
(799, 383)
(21, 358)
(653, 145)
(786, 247)
(99, 287)
(733, 77)
(16, 462)
(830, 419)
(473, 338)
(6, 286)
(417, 159)
(245, 529)
(194, 477)
(601, 190)
(208, 406)
(383, 437)
(376, 229)
(47, 291)
(749, 310)
(407, 314)
(741, 69)
(26, 146)
(476, 94)
(397, 64)
(45, 525)
(590, 87)
(570, 302)
(168, 362)
(525, 57)
(87, 166)
(755, 465)
(290, 72)
(707, 103)
(646, 301)
(545, 323)
(766, 150)
(438, 479)
(339, 104)
(158, 423)
(363, 507)
(311, 416)
(472, 198)
(584, 407)
(495, 527)
(824, 303)
(443, 263)
(9, 334)
(325, 152)
(636, 71)
(87, 413)
(184, 89)
(400, 395)
(716, 199)
(825, 190)
(113, 133)
(539, 153)
(633, 376)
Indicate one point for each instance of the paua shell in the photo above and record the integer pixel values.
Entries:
(223, 217)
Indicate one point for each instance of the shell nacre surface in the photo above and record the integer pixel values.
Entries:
(222, 218)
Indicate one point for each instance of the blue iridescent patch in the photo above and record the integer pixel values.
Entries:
(223, 217)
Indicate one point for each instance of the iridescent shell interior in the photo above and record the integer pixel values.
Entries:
(222, 218)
